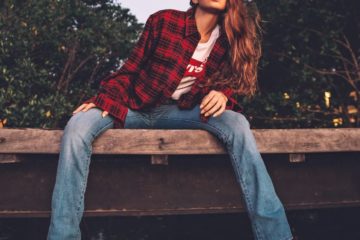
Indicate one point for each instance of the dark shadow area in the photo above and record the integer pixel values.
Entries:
(333, 223)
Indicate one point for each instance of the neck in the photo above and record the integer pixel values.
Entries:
(205, 21)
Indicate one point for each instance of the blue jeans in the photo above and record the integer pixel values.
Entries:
(265, 210)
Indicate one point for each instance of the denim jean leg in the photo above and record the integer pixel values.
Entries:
(265, 210)
(67, 204)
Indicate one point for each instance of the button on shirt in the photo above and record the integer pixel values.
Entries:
(156, 66)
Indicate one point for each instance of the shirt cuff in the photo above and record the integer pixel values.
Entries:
(114, 108)
(232, 103)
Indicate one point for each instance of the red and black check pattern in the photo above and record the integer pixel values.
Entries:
(156, 66)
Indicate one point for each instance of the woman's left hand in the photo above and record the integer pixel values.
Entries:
(213, 103)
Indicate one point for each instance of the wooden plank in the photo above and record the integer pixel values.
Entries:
(159, 159)
(129, 185)
(308, 140)
(296, 157)
(10, 158)
(162, 141)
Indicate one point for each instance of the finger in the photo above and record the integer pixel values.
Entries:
(104, 113)
(79, 108)
(90, 105)
(215, 108)
(207, 98)
(210, 104)
(220, 111)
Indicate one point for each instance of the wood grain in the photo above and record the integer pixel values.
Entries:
(187, 141)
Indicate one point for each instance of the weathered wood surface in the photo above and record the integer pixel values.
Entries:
(190, 171)
(128, 185)
(183, 141)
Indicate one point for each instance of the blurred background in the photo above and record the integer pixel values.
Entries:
(53, 55)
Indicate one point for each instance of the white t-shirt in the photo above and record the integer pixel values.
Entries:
(196, 67)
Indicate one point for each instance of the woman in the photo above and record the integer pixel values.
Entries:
(181, 74)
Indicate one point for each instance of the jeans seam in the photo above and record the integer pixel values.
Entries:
(84, 180)
(245, 192)
(226, 141)
(142, 118)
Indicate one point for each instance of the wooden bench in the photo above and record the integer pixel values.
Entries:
(156, 172)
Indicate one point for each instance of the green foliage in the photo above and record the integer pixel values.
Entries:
(301, 50)
(53, 54)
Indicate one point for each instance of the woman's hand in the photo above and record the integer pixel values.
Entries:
(213, 103)
(86, 106)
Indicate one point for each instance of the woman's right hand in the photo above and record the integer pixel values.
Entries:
(86, 106)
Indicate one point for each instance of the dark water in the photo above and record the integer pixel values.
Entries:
(337, 224)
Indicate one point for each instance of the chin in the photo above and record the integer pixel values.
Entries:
(214, 7)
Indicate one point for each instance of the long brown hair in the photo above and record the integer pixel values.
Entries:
(241, 22)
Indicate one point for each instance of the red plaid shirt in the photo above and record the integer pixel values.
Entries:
(156, 66)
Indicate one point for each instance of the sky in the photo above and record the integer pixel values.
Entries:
(142, 9)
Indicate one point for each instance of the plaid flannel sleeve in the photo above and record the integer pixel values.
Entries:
(112, 88)
(232, 103)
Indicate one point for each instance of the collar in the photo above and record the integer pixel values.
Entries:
(190, 22)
